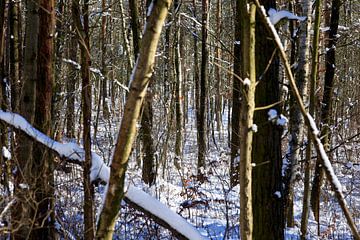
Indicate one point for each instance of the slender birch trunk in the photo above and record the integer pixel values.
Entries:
(246, 118)
(139, 82)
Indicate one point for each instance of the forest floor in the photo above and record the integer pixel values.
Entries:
(212, 206)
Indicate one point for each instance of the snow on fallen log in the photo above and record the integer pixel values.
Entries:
(70, 150)
(161, 214)
(136, 198)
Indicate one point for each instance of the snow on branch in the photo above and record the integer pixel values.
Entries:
(277, 16)
(70, 150)
(161, 214)
(99, 170)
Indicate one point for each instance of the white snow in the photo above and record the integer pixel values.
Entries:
(163, 212)
(272, 113)
(23, 186)
(69, 150)
(323, 154)
(275, 16)
(77, 65)
(282, 120)
(313, 125)
(254, 128)
(246, 82)
(6, 153)
(277, 194)
(150, 8)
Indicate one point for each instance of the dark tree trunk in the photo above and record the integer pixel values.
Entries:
(43, 164)
(204, 75)
(236, 96)
(71, 81)
(14, 26)
(326, 106)
(23, 209)
(268, 201)
(83, 31)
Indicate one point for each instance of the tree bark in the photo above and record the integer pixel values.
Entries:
(310, 123)
(14, 25)
(326, 105)
(236, 100)
(21, 214)
(43, 163)
(204, 76)
(139, 82)
(246, 118)
(179, 98)
(268, 195)
(296, 121)
(83, 34)
(313, 80)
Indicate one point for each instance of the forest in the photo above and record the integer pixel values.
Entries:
(180, 119)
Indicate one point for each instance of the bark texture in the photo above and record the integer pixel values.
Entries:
(139, 82)
(268, 200)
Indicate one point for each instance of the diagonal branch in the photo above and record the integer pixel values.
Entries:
(310, 123)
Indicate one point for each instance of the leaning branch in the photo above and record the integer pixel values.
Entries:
(309, 121)
(70, 150)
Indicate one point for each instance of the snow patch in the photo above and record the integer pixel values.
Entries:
(246, 82)
(272, 113)
(163, 212)
(276, 16)
(6, 153)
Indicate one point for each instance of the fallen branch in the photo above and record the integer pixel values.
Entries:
(161, 214)
(136, 198)
(70, 150)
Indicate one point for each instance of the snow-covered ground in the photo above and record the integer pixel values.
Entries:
(212, 206)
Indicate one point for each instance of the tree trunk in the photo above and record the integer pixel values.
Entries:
(246, 117)
(179, 98)
(296, 121)
(139, 82)
(313, 80)
(310, 123)
(268, 196)
(14, 25)
(204, 76)
(103, 92)
(71, 81)
(21, 215)
(236, 100)
(218, 83)
(83, 34)
(43, 163)
(326, 106)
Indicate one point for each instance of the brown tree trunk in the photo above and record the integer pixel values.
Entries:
(179, 98)
(204, 75)
(14, 26)
(139, 82)
(23, 209)
(236, 96)
(104, 92)
(71, 81)
(83, 34)
(246, 117)
(43, 163)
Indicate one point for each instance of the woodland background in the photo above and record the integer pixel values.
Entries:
(69, 67)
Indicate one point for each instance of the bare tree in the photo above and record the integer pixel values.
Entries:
(139, 82)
